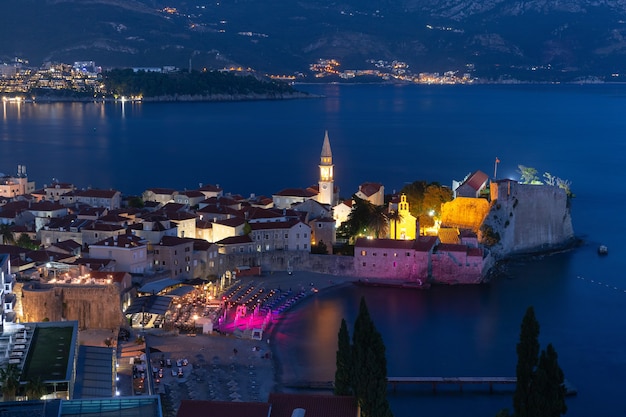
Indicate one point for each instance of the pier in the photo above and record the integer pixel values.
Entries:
(394, 381)
(433, 381)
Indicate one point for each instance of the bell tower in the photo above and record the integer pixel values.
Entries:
(326, 182)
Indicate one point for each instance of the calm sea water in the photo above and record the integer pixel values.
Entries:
(394, 135)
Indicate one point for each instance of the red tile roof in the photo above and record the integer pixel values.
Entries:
(175, 241)
(283, 405)
(296, 192)
(197, 408)
(274, 225)
(370, 188)
(235, 240)
(476, 180)
(92, 192)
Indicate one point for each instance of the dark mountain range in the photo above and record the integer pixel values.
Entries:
(550, 40)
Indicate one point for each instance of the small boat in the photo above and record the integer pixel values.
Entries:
(603, 250)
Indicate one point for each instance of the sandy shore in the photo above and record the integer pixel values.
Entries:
(221, 367)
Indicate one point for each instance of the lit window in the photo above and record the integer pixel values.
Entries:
(363, 253)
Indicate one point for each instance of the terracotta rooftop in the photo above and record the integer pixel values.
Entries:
(370, 188)
(234, 240)
(284, 404)
(175, 241)
(197, 408)
(296, 192)
(476, 180)
(94, 193)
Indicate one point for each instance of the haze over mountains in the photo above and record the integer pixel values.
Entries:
(494, 39)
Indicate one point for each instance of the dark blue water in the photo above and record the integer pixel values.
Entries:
(392, 134)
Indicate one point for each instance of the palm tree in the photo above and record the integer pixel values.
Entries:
(10, 380)
(395, 216)
(378, 221)
(7, 234)
(35, 389)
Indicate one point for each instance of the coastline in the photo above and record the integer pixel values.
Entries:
(279, 383)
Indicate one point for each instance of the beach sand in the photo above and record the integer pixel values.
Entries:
(221, 367)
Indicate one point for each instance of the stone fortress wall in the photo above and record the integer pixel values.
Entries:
(93, 306)
(528, 218)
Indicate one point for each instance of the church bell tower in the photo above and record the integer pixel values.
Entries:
(326, 182)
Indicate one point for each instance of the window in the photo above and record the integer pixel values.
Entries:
(363, 253)
(408, 254)
(305, 235)
(176, 262)
(319, 225)
(374, 254)
(385, 254)
(297, 235)
(286, 235)
(394, 264)
(241, 249)
(267, 236)
(275, 235)
(363, 263)
(306, 246)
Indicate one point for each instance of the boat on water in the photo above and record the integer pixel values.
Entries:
(603, 250)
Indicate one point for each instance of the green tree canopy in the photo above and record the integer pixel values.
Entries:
(369, 366)
(126, 82)
(24, 241)
(365, 219)
(527, 359)
(528, 175)
(343, 380)
(540, 389)
(424, 197)
(10, 380)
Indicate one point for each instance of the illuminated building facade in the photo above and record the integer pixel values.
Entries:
(326, 182)
(405, 226)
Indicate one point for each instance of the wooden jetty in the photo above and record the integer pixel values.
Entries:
(435, 381)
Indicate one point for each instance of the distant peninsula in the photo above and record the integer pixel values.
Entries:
(195, 86)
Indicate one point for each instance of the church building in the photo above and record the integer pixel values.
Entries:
(404, 226)
(327, 192)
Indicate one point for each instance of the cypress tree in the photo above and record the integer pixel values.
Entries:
(369, 366)
(553, 390)
(343, 383)
(527, 360)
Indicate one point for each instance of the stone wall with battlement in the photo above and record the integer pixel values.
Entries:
(527, 218)
(93, 306)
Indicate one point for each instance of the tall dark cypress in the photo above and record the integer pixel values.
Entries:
(343, 373)
(527, 360)
(554, 390)
(369, 365)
